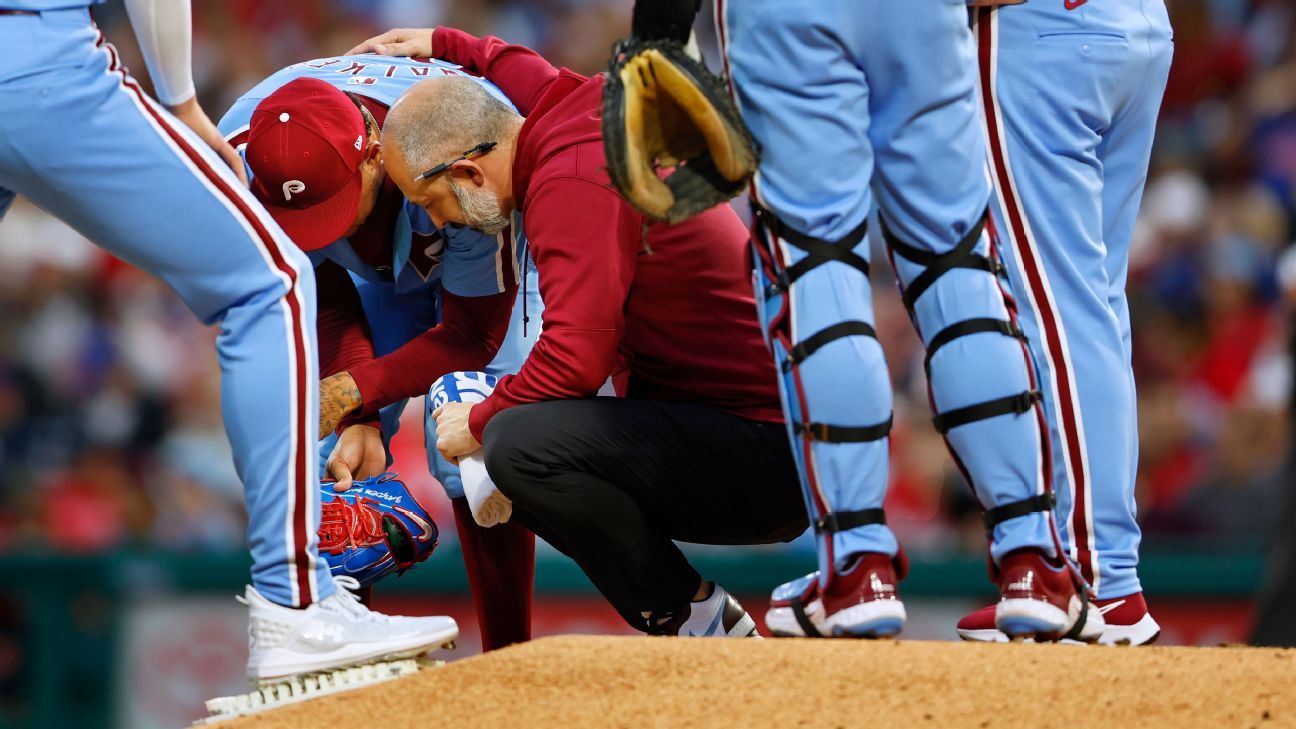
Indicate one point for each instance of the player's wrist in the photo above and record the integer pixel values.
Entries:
(664, 19)
(186, 105)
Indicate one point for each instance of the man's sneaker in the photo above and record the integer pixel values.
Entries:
(859, 602)
(1126, 622)
(1039, 599)
(717, 616)
(333, 633)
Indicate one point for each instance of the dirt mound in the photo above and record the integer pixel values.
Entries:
(658, 682)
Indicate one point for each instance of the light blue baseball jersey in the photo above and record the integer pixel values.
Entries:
(424, 259)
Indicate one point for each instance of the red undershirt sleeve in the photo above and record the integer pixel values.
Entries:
(344, 338)
(468, 338)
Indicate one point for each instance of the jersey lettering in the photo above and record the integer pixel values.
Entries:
(426, 251)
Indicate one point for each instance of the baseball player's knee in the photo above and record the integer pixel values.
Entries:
(510, 448)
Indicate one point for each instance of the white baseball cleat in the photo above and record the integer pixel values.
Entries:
(717, 616)
(335, 633)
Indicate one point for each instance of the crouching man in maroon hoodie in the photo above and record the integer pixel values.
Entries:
(697, 451)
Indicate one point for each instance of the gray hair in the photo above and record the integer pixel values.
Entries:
(438, 119)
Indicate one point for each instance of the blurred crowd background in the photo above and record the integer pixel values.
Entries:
(110, 429)
(110, 432)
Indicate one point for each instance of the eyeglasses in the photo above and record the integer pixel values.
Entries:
(477, 151)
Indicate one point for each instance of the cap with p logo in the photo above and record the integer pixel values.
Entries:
(305, 147)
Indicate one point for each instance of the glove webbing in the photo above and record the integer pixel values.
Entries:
(962, 256)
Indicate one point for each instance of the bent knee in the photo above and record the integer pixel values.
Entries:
(510, 446)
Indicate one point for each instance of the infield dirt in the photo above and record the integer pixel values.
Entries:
(585, 681)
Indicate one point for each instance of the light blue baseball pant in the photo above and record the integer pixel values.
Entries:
(855, 102)
(79, 139)
(394, 319)
(1070, 101)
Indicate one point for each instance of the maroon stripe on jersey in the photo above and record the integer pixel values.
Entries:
(1033, 270)
(303, 456)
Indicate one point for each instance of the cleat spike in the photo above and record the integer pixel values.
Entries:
(296, 689)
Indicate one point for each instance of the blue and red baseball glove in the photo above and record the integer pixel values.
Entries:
(376, 527)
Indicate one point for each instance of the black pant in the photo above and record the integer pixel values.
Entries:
(610, 482)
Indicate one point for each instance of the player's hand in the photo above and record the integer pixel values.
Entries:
(338, 397)
(454, 439)
(196, 119)
(412, 42)
(359, 454)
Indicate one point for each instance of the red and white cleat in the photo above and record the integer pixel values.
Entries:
(1041, 599)
(1126, 622)
(862, 601)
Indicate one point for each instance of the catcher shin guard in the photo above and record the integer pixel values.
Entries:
(980, 383)
(842, 465)
(664, 111)
(377, 527)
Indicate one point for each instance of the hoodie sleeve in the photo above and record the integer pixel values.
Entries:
(584, 242)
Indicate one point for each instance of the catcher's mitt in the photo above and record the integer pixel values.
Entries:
(376, 527)
(664, 112)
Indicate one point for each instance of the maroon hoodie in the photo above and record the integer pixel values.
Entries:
(674, 301)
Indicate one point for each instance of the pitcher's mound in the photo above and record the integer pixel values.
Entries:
(576, 681)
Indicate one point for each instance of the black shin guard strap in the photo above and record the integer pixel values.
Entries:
(843, 433)
(938, 265)
(970, 326)
(798, 612)
(1074, 633)
(810, 344)
(1013, 509)
(817, 251)
(840, 521)
(1012, 405)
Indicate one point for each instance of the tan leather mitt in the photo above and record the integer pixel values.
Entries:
(674, 140)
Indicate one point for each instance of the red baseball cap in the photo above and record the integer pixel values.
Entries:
(305, 145)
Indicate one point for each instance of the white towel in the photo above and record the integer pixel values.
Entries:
(489, 507)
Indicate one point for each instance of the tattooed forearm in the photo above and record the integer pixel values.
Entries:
(339, 397)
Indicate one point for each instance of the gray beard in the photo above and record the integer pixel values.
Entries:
(481, 210)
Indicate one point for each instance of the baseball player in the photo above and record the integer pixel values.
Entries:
(401, 302)
(1070, 91)
(154, 186)
(855, 104)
